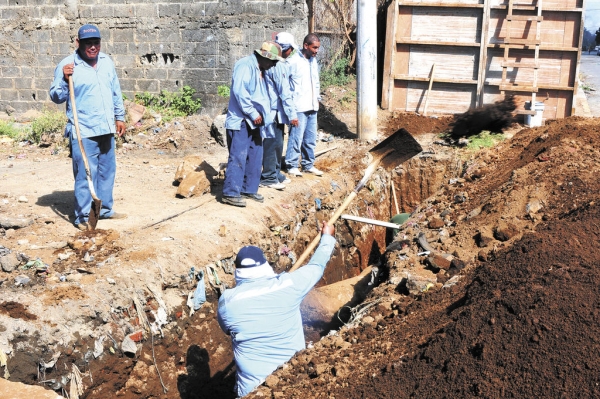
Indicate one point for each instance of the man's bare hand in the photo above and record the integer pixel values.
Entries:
(120, 128)
(258, 121)
(327, 229)
(294, 122)
(68, 70)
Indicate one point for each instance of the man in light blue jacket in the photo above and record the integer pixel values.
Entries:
(248, 123)
(278, 83)
(262, 313)
(101, 114)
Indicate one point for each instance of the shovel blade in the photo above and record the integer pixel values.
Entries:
(95, 213)
(397, 148)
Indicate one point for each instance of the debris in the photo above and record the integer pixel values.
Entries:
(98, 346)
(15, 223)
(128, 346)
(22, 280)
(23, 198)
(48, 365)
(4, 363)
(200, 293)
(76, 388)
(9, 262)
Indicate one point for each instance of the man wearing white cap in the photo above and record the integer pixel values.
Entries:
(278, 84)
(262, 313)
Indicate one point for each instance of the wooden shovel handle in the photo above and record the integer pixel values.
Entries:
(78, 134)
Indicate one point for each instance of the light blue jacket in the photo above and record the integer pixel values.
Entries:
(263, 318)
(306, 84)
(98, 97)
(278, 84)
(249, 96)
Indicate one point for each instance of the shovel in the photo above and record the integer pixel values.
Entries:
(397, 148)
(96, 202)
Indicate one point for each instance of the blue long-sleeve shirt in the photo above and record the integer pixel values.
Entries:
(98, 97)
(249, 97)
(263, 318)
(278, 85)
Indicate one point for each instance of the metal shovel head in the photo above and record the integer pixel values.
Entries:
(397, 148)
(95, 213)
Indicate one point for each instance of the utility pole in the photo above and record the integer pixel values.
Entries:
(366, 69)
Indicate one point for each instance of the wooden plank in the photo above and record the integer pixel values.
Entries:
(444, 98)
(513, 40)
(437, 79)
(389, 53)
(438, 43)
(449, 24)
(524, 18)
(431, 77)
(442, 4)
(452, 63)
(399, 96)
(524, 47)
(512, 64)
(511, 87)
(483, 52)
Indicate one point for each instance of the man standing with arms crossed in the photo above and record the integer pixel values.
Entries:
(278, 84)
(101, 114)
(307, 95)
(248, 117)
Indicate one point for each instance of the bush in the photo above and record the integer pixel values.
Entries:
(223, 91)
(336, 74)
(51, 122)
(169, 104)
(8, 129)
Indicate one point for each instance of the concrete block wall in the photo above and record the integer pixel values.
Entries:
(155, 45)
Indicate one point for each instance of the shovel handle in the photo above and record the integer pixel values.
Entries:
(78, 134)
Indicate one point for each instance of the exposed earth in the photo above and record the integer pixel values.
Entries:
(490, 289)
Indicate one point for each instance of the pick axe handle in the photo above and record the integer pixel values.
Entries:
(88, 173)
(370, 170)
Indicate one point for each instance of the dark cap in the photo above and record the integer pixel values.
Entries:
(250, 256)
(88, 31)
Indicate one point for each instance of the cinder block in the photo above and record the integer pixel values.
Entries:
(85, 13)
(118, 49)
(8, 94)
(10, 72)
(104, 11)
(143, 85)
(156, 72)
(169, 10)
(135, 72)
(146, 10)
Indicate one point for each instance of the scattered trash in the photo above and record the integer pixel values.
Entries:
(129, 346)
(223, 230)
(48, 365)
(62, 279)
(335, 186)
(22, 280)
(167, 238)
(200, 293)
(111, 280)
(76, 388)
(87, 257)
(286, 206)
(84, 271)
(4, 363)
(98, 346)
(318, 204)
(285, 250)
(424, 253)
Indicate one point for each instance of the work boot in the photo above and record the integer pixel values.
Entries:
(295, 172)
(314, 171)
(255, 197)
(276, 186)
(115, 215)
(83, 226)
(235, 201)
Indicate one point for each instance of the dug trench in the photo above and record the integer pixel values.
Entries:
(191, 357)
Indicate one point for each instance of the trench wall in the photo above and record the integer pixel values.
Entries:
(155, 45)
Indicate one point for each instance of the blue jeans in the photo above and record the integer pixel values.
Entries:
(100, 152)
(245, 161)
(272, 153)
(302, 141)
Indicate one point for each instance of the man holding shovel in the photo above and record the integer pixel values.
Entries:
(262, 313)
(97, 95)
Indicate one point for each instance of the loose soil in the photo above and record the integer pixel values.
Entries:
(510, 306)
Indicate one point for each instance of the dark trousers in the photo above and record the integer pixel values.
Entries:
(272, 154)
(244, 162)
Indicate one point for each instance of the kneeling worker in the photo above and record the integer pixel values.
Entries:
(262, 313)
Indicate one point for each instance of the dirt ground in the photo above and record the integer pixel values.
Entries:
(506, 303)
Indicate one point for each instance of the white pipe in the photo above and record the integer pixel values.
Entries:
(371, 221)
(366, 69)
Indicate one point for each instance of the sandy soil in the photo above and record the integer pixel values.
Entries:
(509, 307)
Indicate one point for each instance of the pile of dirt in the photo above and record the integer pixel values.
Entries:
(520, 320)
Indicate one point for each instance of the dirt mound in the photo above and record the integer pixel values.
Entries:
(492, 117)
(523, 319)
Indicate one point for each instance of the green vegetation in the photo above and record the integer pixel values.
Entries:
(336, 74)
(484, 139)
(171, 105)
(347, 98)
(8, 129)
(223, 91)
(50, 122)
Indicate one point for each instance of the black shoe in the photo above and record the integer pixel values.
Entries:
(235, 201)
(255, 197)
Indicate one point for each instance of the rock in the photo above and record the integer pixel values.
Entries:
(482, 239)
(506, 231)
(9, 262)
(129, 346)
(15, 223)
(482, 256)
(195, 183)
(9, 110)
(438, 261)
(135, 111)
(22, 280)
(418, 283)
(271, 381)
(475, 212)
(190, 164)
(322, 368)
(534, 206)
(436, 223)
(18, 390)
(23, 198)
(217, 129)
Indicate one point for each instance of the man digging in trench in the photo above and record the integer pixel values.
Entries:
(262, 313)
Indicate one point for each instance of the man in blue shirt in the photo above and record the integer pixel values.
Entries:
(262, 313)
(100, 113)
(248, 123)
(278, 84)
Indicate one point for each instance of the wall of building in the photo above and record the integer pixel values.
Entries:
(155, 45)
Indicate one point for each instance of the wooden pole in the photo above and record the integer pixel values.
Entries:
(429, 89)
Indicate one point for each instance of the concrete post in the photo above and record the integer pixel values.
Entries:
(366, 69)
